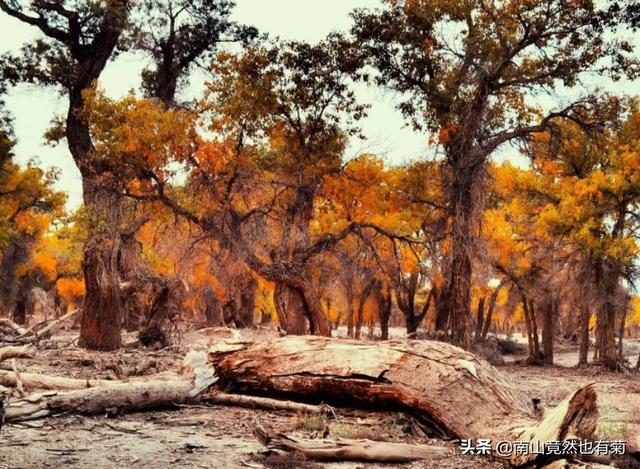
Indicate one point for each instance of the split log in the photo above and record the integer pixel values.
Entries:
(15, 352)
(195, 377)
(350, 450)
(454, 393)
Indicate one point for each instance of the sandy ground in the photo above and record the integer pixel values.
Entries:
(221, 437)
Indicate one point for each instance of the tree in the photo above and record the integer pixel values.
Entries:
(469, 86)
(177, 34)
(79, 39)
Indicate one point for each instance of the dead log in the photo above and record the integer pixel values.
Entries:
(350, 450)
(9, 326)
(255, 402)
(454, 393)
(195, 377)
(50, 328)
(15, 352)
(33, 381)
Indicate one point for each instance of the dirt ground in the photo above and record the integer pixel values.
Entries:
(222, 437)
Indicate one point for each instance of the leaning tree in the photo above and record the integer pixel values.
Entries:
(79, 38)
(466, 71)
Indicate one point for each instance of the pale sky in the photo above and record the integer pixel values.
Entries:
(307, 20)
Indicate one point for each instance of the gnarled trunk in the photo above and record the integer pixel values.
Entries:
(584, 335)
(101, 316)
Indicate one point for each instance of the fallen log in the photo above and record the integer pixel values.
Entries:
(49, 328)
(255, 402)
(452, 392)
(14, 328)
(350, 450)
(15, 352)
(195, 377)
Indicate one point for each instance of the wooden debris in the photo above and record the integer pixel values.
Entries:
(452, 392)
(254, 402)
(350, 450)
(195, 377)
(16, 352)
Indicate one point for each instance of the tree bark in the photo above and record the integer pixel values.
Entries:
(492, 305)
(102, 316)
(548, 336)
(455, 394)
(583, 357)
(534, 328)
(479, 319)
(606, 324)
(196, 376)
(291, 309)
(350, 450)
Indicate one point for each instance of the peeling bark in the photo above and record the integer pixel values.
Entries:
(451, 392)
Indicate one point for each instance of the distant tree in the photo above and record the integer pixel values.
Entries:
(465, 71)
(177, 35)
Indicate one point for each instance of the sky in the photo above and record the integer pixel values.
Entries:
(308, 20)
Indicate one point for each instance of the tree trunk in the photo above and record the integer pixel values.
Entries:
(299, 310)
(480, 319)
(212, 308)
(527, 323)
(350, 309)
(548, 336)
(623, 320)
(101, 316)
(606, 323)
(291, 309)
(492, 305)
(458, 292)
(534, 328)
(454, 395)
(20, 312)
(583, 357)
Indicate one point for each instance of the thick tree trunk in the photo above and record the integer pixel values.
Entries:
(584, 335)
(102, 316)
(299, 310)
(458, 294)
(291, 309)
(606, 323)
(455, 394)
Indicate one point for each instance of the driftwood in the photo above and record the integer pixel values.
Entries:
(195, 377)
(452, 392)
(350, 450)
(15, 352)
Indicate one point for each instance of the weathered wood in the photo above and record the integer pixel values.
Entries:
(350, 450)
(254, 402)
(33, 381)
(452, 391)
(15, 352)
(195, 377)
(51, 327)
(8, 324)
